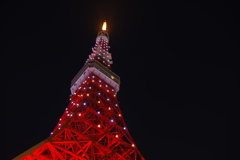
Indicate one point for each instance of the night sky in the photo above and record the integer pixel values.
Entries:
(178, 62)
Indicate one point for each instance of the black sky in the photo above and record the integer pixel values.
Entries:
(178, 62)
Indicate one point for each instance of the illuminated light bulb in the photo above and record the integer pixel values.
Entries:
(109, 108)
(51, 132)
(119, 115)
(100, 85)
(78, 95)
(70, 99)
(59, 124)
(79, 114)
(71, 102)
(90, 87)
(107, 99)
(84, 88)
(81, 95)
(88, 77)
(60, 119)
(74, 93)
(66, 111)
(67, 114)
(133, 145)
(107, 90)
(116, 136)
(92, 80)
(116, 104)
(114, 95)
(98, 112)
(106, 85)
(98, 101)
(99, 81)
(99, 93)
(84, 103)
(79, 87)
(70, 114)
(77, 104)
(58, 128)
(87, 94)
(66, 108)
(124, 128)
(112, 120)
(99, 126)
(92, 76)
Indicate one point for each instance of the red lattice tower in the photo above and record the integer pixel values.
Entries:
(92, 126)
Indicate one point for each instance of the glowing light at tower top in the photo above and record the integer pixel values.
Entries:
(104, 26)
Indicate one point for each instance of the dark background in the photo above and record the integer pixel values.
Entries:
(178, 62)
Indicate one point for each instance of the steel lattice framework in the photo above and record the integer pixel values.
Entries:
(92, 126)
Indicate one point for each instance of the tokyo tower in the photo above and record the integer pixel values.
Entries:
(92, 126)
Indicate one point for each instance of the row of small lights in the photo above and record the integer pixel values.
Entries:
(84, 103)
(79, 114)
(124, 128)
(104, 54)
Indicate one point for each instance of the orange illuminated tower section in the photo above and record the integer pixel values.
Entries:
(92, 126)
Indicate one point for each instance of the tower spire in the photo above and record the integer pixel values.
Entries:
(104, 26)
(100, 50)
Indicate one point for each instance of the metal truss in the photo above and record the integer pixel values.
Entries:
(91, 128)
